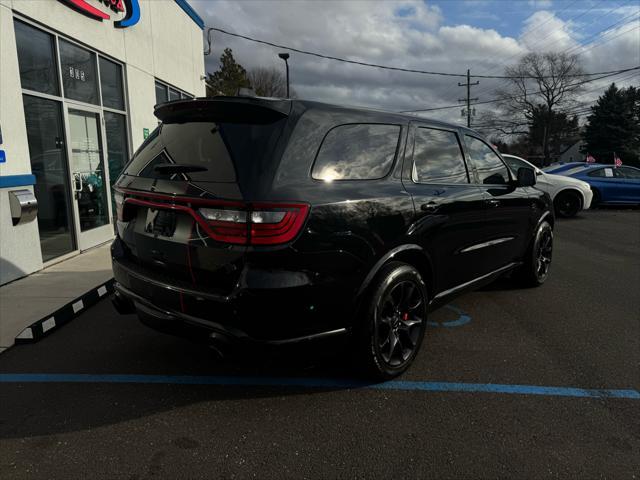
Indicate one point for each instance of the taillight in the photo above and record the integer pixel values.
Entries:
(118, 198)
(273, 224)
(259, 224)
(226, 225)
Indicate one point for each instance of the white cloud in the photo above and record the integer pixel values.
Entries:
(540, 3)
(410, 34)
(544, 31)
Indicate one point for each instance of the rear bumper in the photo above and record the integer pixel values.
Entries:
(271, 307)
(181, 324)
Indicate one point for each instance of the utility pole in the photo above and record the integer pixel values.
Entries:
(468, 100)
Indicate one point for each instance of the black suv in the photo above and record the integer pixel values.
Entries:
(282, 221)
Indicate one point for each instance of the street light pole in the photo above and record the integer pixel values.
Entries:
(285, 57)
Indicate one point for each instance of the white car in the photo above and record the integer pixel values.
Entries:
(569, 195)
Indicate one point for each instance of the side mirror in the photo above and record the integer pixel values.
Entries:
(526, 177)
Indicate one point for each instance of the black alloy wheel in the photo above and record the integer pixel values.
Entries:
(394, 323)
(544, 254)
(567, 204)
(398, 322)
(537, 261)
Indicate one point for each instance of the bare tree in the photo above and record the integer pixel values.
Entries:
(268, 82)
(541, 86)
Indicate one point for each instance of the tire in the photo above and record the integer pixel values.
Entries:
(567, 204)
(393, 322)
(537, 261)
(597, 198)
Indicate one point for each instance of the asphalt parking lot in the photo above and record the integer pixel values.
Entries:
(510, 383)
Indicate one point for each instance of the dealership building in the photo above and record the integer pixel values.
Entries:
(78, 83)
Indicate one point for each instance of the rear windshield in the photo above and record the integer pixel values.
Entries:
(209, 151)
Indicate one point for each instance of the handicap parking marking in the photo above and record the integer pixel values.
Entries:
(462, 319)
(320, 383)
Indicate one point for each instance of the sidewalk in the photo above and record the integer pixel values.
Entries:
(33, 298)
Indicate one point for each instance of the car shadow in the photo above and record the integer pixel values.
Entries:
(111, 344)
(101, 343)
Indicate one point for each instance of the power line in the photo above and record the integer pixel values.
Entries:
(528, 32)
(607, 31)
(496, 100)
(375, 65)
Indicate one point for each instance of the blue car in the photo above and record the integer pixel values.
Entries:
(610, 185)
(558, 168)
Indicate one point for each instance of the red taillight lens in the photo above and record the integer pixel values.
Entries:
(226, 225)
(262, 224)
(274, 224)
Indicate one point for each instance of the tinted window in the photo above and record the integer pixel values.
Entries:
(45, 134)
(36, 59)
(357, 152)
(595, 173)
(437, 157)
(161, 93)
(225, 150)
(174, 94)
(515, 163)
(78, 73)
(111, 84)
(627, 172)
(117, 150)
(490, 168)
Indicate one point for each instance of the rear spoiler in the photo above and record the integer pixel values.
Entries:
(223, 109)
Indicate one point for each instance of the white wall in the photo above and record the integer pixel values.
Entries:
(165, 44)
(19, 245)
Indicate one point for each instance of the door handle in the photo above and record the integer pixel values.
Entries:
(493, 202)
(77, 185)
(429, 207)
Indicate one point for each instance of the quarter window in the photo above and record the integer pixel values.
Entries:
(357, 152)
(491, 169)
(437, 157)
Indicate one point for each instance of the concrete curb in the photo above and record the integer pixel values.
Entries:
(65, 314)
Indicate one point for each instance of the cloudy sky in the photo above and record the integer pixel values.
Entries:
(439, 35)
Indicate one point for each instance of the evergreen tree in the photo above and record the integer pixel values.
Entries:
(614, 126)
(228, 78)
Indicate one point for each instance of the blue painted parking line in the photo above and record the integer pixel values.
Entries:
(320, 383)
(462, 319)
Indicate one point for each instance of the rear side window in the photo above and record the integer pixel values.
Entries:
(437, 157)
(627, 172)
(595, 173)
(357, 152)
(491, 170)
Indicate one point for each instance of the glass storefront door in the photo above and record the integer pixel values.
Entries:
(89, 177)
(45, 133)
